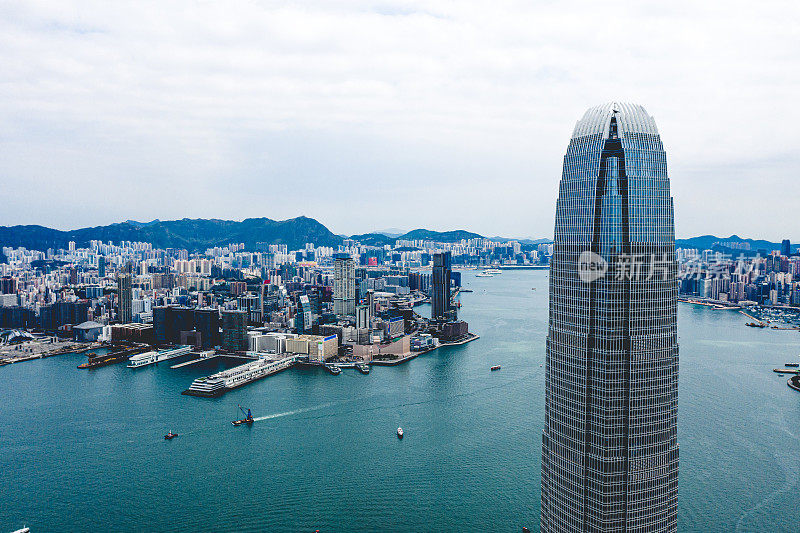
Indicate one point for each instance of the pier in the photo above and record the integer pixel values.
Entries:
(204, 356)
(150, 358)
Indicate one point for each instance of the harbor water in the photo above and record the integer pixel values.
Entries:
(83, 450)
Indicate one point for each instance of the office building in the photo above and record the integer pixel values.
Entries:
(303, 318)
(171, 323)
(441, 308)
(344, 285)
(609, 445)
(234, 331)
(786, 248)
(8, 285)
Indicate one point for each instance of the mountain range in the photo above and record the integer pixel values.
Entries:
(199, 234)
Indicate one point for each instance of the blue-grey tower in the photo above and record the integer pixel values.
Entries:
(609, 445)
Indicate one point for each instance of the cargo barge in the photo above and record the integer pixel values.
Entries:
(97, 361)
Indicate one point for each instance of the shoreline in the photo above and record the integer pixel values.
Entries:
(394, 362)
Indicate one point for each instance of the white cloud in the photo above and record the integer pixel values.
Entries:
(364, 114)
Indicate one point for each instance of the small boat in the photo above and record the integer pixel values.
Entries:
(495, 367)
(335, 370)
(248, 417)
(363, 368)
(399, 433)
(170, 435)
(793, 365)
(483, 275)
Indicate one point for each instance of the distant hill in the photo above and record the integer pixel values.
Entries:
(732, 243)
(381, 239)
(521, 241)
(439, 236)
(374, 239)
(192, 234)
(389, 232)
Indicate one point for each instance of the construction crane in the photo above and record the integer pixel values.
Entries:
(248, 417)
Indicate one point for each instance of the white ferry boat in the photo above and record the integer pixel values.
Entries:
(219, 383)
(484, 275)
(492, 271)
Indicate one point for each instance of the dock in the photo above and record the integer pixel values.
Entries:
(151, 358)
(204, 356)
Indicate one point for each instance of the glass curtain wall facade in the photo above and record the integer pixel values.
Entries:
(441, 309)
(609, 445)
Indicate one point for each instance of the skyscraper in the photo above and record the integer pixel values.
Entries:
(441, 310)
(125, 297)
(786, 248)
(344, 285)
(609, 445)
(234, 331)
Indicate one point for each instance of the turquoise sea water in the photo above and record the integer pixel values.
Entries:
(84, 450)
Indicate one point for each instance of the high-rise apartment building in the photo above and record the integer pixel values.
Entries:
(344, 285)
(125, 298)
(609, 445)
(441, 308)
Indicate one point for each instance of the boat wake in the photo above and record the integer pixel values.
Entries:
(294, 412)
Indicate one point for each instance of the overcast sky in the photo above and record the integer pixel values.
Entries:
(374, 114)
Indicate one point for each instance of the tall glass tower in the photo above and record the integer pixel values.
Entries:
(609, 445)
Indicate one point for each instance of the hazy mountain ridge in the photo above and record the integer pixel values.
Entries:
(192, 234)
(710, 242)
(198, 234)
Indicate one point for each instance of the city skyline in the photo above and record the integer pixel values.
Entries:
(251, 110)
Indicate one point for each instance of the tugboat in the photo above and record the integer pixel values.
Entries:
(399, 433)
(495, 367)
(248, 417)
(170, 435)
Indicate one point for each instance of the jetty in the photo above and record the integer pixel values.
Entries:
(151, 358)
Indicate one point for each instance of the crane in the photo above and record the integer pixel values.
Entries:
(248, 417)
